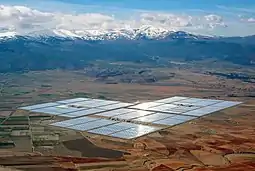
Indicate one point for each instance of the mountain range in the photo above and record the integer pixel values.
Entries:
(67, 50)
(148, 32)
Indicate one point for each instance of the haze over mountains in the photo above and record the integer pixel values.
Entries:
(23, 53)
(37, 38)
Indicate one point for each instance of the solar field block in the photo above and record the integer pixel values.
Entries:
(127, 120)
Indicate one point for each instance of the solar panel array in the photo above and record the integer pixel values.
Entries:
(76, 107)
(185, 106)
(107, 127)
(127, 120)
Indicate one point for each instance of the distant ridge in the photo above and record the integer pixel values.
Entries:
(145, 32)
(41, 52)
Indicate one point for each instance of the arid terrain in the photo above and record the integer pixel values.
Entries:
(220, 141)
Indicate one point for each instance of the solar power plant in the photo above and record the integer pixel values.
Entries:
(92, 125)
(144, 106)
(110, 129)
(171, 99)
(127, 120)
(132, 115)
(83, 112)
(115, 112)
(92, 103)
(84, 123)
(115, 106)
(169, 122)
(153, 117)
(188, 106)
(106, 127)
(72, 100)
(125, 130)
(135, 132)
(76, 107)
(58, 110)
(71, 122)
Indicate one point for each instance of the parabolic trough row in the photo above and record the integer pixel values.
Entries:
(127, 120)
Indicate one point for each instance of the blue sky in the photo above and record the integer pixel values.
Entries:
(217, 17)
(167, 4)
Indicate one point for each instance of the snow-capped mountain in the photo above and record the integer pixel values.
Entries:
(70, 49)
(7, 34)
(144, 32)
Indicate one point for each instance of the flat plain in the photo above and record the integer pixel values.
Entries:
(223, 140)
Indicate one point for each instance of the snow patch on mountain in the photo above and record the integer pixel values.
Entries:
(7, 34)
(25, 21)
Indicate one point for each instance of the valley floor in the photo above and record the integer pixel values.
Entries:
(221, 141)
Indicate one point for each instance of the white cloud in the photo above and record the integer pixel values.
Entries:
(246, 19)
(165, 20)
(251, 20)
(214, 18)
(215, 21)
(25, 20)
(22, 18)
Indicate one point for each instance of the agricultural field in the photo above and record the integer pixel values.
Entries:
(222, 140)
